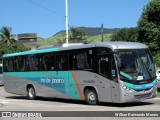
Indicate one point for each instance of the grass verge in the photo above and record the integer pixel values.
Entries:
(158, 94)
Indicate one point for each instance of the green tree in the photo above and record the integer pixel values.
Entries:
(149, 26)
(125, 34)
(14, 47)
(6, 35)
(77, 35)
(157, 59)
(8, 43)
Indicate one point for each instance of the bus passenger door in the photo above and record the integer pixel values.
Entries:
(104, 78)
(108, 81)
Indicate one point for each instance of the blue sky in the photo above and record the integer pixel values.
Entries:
(47, 17)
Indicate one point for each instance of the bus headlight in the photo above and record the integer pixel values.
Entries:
(126, 88)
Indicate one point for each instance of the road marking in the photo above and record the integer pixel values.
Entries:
(157, 98)
(10, 100)
(3, 102)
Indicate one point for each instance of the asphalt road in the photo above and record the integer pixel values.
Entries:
(11, 102)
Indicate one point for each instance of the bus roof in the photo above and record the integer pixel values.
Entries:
(123, 45)
(112, 45)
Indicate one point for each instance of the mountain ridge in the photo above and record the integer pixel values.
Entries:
(92, 31)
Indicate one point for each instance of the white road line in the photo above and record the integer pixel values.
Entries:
(157, 98)
(3, 102)
(10, 100)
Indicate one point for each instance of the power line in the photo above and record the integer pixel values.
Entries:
(52, 11)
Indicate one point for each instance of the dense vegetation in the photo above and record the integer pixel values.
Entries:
(149, 25)
(125, 34)
(8, 43)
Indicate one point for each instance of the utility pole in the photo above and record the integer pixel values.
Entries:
(66, 21)
(102, 31)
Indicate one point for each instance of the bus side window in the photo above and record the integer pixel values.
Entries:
(10, 65)
(33, 62)
(73, 62)
(81, 60)
(52, 62)
(0, 69)
(20, 64)
(47, 62)
(62, 62)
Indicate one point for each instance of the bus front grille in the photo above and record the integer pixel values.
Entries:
(143, 96)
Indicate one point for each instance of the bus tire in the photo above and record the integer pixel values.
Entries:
(31, 94)
(91, 97)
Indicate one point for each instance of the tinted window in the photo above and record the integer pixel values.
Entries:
(81, 59)
(33, 63)
(9, 65)
(62, 62)
(47, 62)
(0, 70)
(20, 63)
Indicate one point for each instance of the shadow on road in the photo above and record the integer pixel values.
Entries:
(132, 104)
(17, 97)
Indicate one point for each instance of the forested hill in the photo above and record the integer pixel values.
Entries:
(92, 31)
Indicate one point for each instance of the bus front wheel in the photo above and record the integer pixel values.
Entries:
(31, 94)
(91, 97)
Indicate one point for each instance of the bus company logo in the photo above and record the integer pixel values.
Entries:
(143, 82)
(6, 114)
(52, 80)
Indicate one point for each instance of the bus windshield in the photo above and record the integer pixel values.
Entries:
(135, 65)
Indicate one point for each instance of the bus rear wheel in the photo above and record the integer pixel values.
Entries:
(91, 97)
(31, 94)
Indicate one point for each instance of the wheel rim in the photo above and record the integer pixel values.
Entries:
(31, 92)
(92, 97)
